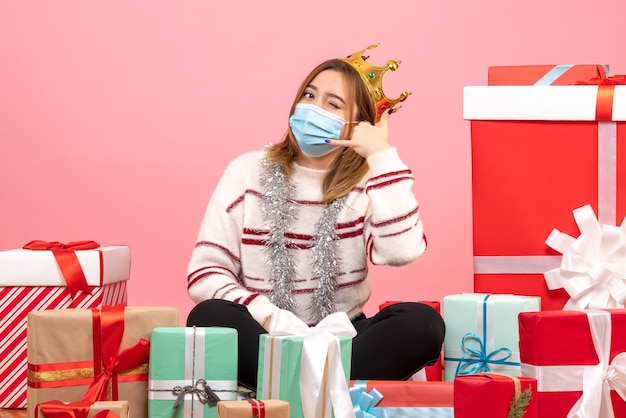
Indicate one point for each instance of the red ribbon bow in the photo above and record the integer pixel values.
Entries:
(68, 262)
(80, 409)
(606, 87)
(108, 331)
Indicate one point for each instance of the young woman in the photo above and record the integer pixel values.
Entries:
(294, 227)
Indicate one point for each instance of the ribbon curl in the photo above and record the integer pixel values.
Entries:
(593, 266)
(67, 261)
(321, 365)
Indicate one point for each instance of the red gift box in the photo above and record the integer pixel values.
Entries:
(553, 75)
(33, 280)
(433, 373)
(398, 393)
(489, 395)
(568, 350)
(539, 152)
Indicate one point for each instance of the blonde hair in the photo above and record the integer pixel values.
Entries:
(349, 167)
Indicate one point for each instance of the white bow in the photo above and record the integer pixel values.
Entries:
(321, 369)
(600, 379)
(593, 266)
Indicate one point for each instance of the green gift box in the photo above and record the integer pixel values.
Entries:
(294, 358)
(482, 332)
(189, 365)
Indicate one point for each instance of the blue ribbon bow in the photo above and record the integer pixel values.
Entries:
(363, 402)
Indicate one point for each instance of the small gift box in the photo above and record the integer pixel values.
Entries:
(386, 398)
(92, 354)
(482, 333)
(253, 408)
(101, 409)
(578, 359)
(191, 369)
(493, 395)
(301, 365)
(544, 75)
(45, 276)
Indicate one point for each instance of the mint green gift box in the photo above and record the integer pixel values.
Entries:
(182, 359)
(482, 332)
(279, 368)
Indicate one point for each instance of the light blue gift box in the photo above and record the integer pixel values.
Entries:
(279, 368)
(186, 365)
(482, 332)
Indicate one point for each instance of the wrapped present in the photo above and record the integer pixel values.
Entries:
(578, 359)
(191, 369)
(482, 333)
(253, 408)
(429, 373)
(92, 354)
(397, 399)
(100, 409)
(544, 75)
(309, 367)
(493, 395)
(45, 276)
(538, 152)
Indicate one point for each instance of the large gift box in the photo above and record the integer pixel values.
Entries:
(93, 354)
(544, 75)
(538, 153)
(493, 395)
(578, 358)
(482, 332)
(396, 399)
(191, 369)
(309, 367)
(51, 276)
(100, 409)
(253, 408)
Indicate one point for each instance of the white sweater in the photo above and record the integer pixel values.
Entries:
(379, 223)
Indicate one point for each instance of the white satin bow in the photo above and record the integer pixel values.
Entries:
(593, 266)
(321, 358)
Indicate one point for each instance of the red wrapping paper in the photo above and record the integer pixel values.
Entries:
(412, 394)
(563, 338)
(527, 75)
(488, 395)
(527, 177)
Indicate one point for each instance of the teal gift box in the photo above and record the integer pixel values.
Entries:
(189, 365)
(282, 369)
(482, 332)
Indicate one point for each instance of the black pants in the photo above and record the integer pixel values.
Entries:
(392, 345)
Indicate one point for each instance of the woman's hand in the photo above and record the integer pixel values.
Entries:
(368, 139)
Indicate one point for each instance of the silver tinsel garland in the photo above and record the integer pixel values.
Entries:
(279, 208)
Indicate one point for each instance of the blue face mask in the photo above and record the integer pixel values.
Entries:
(312, 126)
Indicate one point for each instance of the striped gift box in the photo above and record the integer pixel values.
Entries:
(32, 281)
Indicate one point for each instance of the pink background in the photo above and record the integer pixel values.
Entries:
(118, 117)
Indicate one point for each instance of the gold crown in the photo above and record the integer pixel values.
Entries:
(372, 76)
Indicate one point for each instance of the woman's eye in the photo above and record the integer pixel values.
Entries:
(335, 105)
(307, 95)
